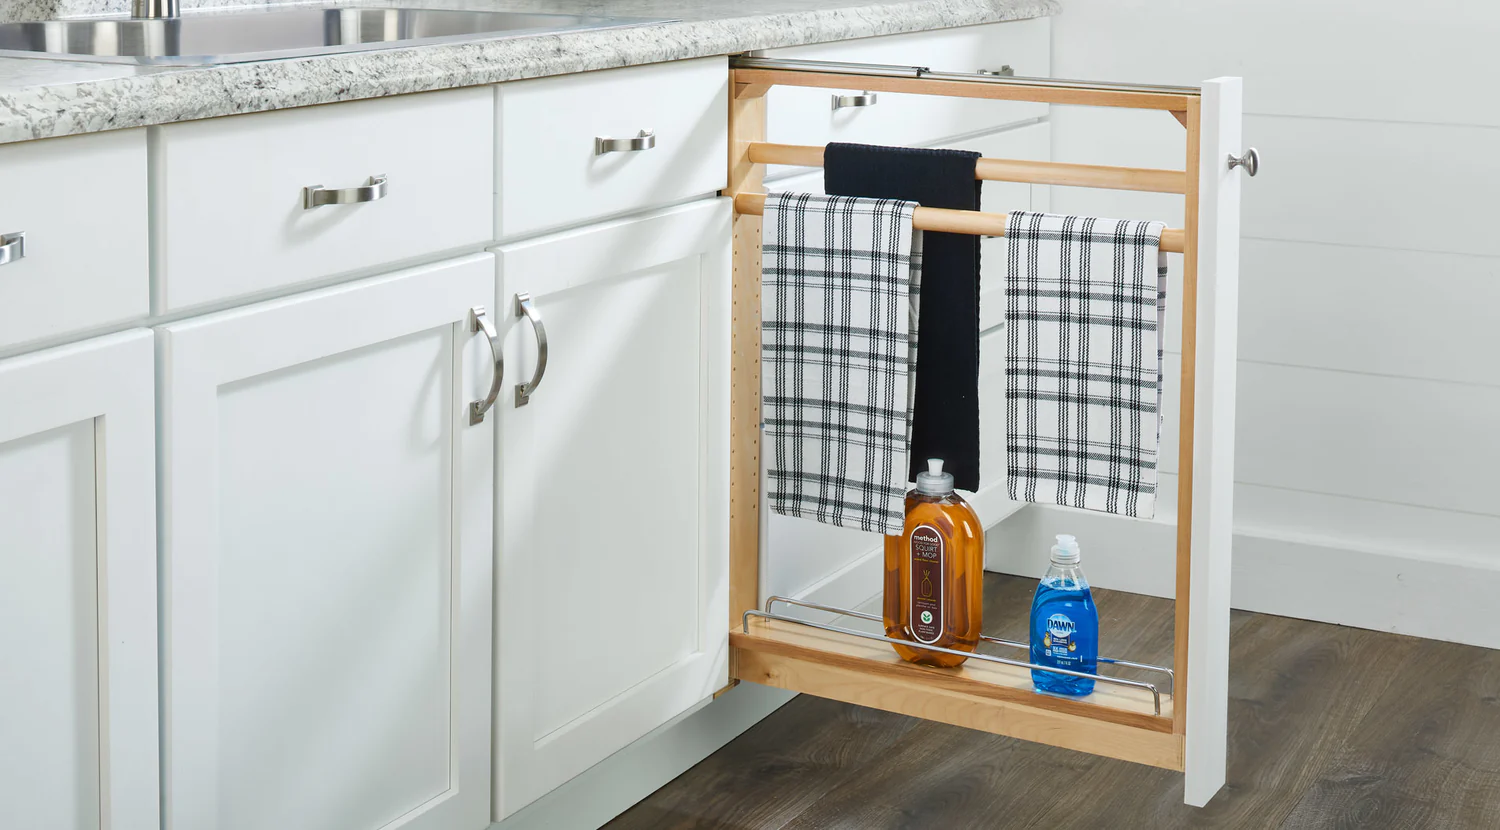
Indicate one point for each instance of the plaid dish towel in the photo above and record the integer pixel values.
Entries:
(838, 343)
(1083, 372)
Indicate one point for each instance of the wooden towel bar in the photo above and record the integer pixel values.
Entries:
(1009, 170)
(950, 221)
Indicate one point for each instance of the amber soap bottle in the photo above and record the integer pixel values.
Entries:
(934, 572)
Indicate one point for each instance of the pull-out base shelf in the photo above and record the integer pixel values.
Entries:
(1114, 722)
(1133, 721)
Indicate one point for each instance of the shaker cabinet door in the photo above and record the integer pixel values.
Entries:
(613, 550)
(327, 555)
(78, 724)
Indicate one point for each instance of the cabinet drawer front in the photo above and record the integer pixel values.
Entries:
(81, 205)
(807, 116)
(228, 194)
(552, 171)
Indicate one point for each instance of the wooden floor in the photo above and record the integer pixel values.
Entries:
(1329, 727)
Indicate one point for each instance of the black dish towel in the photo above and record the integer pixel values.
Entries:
(945, 422)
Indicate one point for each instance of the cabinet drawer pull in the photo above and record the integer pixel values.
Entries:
(12, 247)
(644, 140)
(479, 322)
(864, 99)
(526, 307)
(1005, 71)
(317, 196)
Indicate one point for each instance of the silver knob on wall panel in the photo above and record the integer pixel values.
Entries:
(1250, 161)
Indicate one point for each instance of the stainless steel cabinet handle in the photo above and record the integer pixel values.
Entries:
(644, 140)
(1005, 71)
(864, 99)
(12, 247)
(479, 322)
(526, 307)
(1250, 161)
(370, 191)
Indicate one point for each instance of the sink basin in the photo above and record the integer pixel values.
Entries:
(236, 37)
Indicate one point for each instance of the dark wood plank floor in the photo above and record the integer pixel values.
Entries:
(1329, 727)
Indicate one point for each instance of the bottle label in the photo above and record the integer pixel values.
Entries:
(927, 561)
(1059, 642)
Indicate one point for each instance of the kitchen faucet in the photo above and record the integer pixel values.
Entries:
(154, 9)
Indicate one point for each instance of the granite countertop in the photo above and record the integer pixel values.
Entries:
(45, 98)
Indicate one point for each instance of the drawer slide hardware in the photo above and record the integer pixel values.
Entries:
(12, 247)
(373, 190)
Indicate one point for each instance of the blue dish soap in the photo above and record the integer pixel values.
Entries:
(1064, 624)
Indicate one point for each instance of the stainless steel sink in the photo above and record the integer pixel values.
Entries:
(236, 37)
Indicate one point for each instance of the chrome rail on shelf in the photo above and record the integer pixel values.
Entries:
(988, 658)
(887, 70)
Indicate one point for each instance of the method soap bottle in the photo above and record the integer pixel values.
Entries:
(934, 572)
(1064, 624)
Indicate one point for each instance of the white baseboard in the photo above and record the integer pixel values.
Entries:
(1422, 595)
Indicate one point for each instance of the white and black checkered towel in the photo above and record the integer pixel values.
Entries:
(838, 347)
(1083, 372)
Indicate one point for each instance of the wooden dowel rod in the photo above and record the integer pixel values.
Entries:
(1011, 170)
(950, 221)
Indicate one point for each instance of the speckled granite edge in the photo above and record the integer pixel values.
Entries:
(40, 99)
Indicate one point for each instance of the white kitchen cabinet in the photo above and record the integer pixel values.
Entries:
(613, 491)
(556, 166)
(230, 211)
(75, 264)
(327, 558)
(78, 717)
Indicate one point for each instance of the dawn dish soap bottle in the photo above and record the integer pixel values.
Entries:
(1064, 624)
(934, 573)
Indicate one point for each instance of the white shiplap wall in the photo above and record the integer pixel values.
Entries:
(1368, 448)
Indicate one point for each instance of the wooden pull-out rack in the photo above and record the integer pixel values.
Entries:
(1149, 727)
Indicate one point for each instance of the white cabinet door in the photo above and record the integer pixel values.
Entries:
(78, 737)
(614, 537)
(327, 559)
